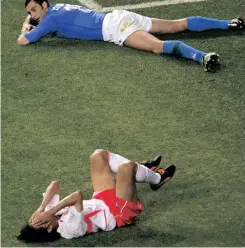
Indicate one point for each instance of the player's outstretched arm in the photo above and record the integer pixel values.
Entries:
(52, 189)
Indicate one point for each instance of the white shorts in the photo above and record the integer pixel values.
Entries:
(118, 25)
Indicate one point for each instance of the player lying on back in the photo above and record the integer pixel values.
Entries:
(121, 27)
(115, 202)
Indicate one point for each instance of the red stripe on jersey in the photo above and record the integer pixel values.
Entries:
(88, 221)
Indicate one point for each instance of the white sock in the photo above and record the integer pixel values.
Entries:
(115, 160)
(145, 175)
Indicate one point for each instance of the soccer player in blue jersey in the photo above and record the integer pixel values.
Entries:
(120, 27)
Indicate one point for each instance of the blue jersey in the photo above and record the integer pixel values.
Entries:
(69, 21)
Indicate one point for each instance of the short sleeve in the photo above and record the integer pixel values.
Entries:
(46, 26)
(53, 202)
(72, 224)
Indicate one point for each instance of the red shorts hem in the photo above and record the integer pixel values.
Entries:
(124, 211)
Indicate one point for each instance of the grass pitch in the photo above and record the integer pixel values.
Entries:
(61, 99)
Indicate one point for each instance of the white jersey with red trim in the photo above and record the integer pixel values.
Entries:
(73, 224)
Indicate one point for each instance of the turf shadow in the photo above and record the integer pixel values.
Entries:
(200, 35)
(134, 235)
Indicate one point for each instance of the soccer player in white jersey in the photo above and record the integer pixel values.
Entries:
(114, 203)
(121, 27)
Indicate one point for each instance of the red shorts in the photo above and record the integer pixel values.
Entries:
(123, 211)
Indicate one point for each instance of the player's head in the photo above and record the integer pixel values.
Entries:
(46, 233)
(37, 8)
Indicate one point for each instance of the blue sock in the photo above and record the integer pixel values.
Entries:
(199, 23)
(179, 48)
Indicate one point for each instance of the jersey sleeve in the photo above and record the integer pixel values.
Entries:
(46, 26)
(72, 224)
(53, 202)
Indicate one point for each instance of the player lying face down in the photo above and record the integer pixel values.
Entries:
(121, 27)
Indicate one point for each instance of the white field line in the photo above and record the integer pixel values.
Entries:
(95, 6)
(91, 4)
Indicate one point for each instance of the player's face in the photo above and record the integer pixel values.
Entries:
(37, 11)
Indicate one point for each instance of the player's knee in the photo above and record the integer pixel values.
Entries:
(128, 168)
(97, 157)
(98, 154)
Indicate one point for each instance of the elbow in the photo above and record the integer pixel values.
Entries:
(19, 41)
(56, 185)
(22, 40)
(78, 195)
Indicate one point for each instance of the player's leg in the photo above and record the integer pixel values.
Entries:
(237, 23)
(142, 40)
(101, 174)
(127, 175)
(152, 163)
(126, 183)
(200, 23)
(104, 163)
(163, 26)
(193, 23)
(130, 172)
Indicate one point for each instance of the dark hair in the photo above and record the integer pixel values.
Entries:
(33, 22)
(40, 2)
(31, 235)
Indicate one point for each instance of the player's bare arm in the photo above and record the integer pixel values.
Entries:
(22, 40)
(52, 189)
(74, 199)
(139, 35)
(36, 12)
(27, 25)
(115, 205)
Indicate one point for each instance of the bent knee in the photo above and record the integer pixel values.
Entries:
(98, 159)
(128, 167)
(98, 154)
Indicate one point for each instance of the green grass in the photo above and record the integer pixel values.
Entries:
(61, 99)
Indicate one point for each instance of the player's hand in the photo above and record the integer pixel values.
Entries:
(36, 214)
(42, 218)
(27, 27)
